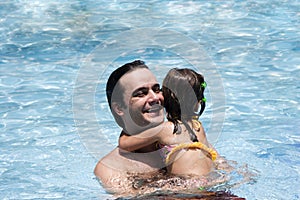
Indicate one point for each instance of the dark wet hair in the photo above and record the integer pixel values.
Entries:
(114, 91)
(182, 90)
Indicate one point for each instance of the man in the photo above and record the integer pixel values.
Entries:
(135, 101)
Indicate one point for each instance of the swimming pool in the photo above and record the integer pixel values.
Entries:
(45, 45)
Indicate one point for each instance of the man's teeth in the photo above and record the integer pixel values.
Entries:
(155, 108)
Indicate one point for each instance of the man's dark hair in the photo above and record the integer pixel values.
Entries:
(114, 92)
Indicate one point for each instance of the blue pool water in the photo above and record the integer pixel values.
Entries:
(50, 142)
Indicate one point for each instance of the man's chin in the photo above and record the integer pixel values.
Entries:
(156, 120)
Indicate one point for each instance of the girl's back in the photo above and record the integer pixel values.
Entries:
(182, 156)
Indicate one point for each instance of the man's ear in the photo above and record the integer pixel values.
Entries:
(117, 108)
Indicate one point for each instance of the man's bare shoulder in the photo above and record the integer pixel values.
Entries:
(113, 161)
(103, 167)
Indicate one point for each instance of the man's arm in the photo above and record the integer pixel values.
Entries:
(109, 173)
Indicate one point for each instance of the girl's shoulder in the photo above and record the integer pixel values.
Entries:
(168, 127)
(166, 134)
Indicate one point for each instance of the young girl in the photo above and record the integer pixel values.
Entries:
(181, 140)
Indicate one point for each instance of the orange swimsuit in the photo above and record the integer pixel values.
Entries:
(167, 150)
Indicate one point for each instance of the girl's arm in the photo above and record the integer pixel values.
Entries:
(140, 140)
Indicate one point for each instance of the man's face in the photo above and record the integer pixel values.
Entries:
(143, 100)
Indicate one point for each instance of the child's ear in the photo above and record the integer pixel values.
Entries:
(117, 108)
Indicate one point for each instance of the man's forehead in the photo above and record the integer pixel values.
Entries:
(148, 85)
(138, 78)
(137, 87)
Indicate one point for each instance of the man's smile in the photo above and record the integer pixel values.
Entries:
(155, 108)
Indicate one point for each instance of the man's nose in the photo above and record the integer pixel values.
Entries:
(154, 96)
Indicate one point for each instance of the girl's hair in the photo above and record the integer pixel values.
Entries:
(183, 89)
